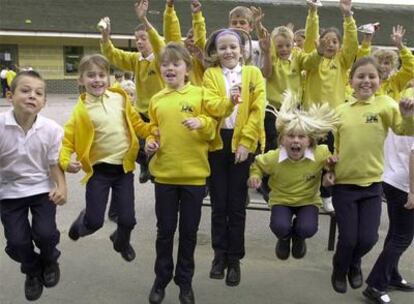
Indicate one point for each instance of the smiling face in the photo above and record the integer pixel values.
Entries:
(29, 96)
(299, 41)
(365, 81)
(332, 44)
(386, 66)
(295, 145)
(142, 43)
(240, 22)
(283, 46)
(228, 50)
(174, 73)
(95, 80)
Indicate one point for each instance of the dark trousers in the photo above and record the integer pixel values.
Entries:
(271, 141)
(171, 200)
(228, 192)
(104, 178)
(304, 226)
(399, 237)
(4, 87)
(358, 214)
(20, 234)
(142, 160)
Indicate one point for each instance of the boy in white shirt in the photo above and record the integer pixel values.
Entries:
(31, 180)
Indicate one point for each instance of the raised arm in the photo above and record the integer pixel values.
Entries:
(171, 24)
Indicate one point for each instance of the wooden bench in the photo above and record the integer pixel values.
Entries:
(261, 205)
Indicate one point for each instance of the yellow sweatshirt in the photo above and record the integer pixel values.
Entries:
(172, 32)
(292, 183)
(398, 81)
(80, 133)
(326, 82)
(148, 80)
(311, 31)
(249, 129)
(182, 158)
(359, 141)
(286, 75)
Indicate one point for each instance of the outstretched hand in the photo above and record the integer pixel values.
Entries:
(346, 6)
(407, 107)
(397, 35)
(141, 9)
(254, 182)
(195, 6)
(105, 28)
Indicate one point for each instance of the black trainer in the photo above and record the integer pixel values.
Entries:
(156, 295)
(402, 285)
(217, 269)
(376, 296)
(298, 247)
(33, 288)
(282, 249)
(128, 253)
(186, 296)
(233, 274)
(355, 277)
(51, 275)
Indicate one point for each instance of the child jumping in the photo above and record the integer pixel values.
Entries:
(30, 179)
(180, 167)
(295, 171)
(105, 151)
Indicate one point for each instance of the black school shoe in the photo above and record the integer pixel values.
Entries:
(282, 249)
(338, 281)
(51, 275)
(298, 247)
(376, 296)
(156, 295)
(355, 278)
(403, 285)
(233, 274)
(217, 268)
(128, 253)
(33, 288)
(186, 296)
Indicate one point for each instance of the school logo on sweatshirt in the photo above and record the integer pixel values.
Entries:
(371, 117)
(308, 177)
(252, 87)
(333, 66)
(187, 107)
(151, 72)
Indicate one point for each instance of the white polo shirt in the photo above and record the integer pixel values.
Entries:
(397, 151)
(25, 158)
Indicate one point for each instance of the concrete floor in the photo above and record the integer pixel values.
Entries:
(91, 272)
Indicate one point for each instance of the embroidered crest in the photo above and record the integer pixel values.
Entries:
(371, 117)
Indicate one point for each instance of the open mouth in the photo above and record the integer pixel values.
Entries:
(295, 149)
(170, 76)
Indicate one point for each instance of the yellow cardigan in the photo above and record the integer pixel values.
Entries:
(79, 136)
(249, 129)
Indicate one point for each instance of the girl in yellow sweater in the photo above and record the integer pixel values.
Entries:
(235, 96)
(295, 171)
(356, 197)
(180, 168)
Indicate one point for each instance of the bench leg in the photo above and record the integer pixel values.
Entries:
(332, 233)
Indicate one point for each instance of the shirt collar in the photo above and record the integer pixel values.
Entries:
(11, 121)
(283, 155)
(183, 90)
(89, 98)
(368, 101)
(148, 58)
(236, 69)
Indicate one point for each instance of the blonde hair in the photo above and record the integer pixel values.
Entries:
(99, 60)
(283, 31)
(383, 54)
(242, 12)
(210, 51)
(316, 123)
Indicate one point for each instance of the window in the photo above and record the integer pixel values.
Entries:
(72, 56)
